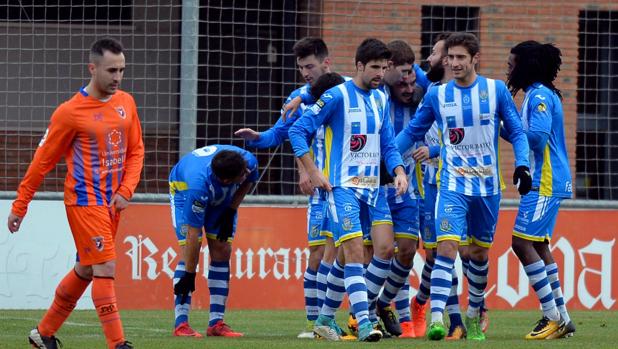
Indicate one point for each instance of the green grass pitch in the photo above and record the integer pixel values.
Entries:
(278, 329)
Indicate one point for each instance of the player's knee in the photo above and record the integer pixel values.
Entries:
(105, 269)
(384, 251)
(315, 256)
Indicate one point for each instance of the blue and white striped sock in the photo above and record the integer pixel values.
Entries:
(335, 291)
(441, 278)
(375, 277)
(540, 283)
(395, 280)
(452, 303)
(552, 276)
(311, 294)
(218, 285)
(423, 289)
(402, 302)
(357, 291)
(477, 282)
(181, 311)
(321, 282)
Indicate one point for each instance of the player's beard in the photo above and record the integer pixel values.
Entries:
(435, 73)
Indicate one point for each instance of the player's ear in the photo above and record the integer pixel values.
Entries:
(360, 66)
(327, 61)
(475, 58)
(91, 68)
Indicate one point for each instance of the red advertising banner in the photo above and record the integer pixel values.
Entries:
(269, 257)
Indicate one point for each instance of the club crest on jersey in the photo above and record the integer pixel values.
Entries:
(541, 107)
(483, 95)
(98, 243)
(456, 135)
(357, 143)
(121, 112)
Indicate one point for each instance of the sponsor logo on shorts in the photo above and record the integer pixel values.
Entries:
(346, 224)
(98, 243)
(445, 225)
(315, 231)
(184, 229)
(197, 207)
(347, 207)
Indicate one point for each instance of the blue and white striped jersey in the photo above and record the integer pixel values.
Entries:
(357, 133)
(194, 186)
(541, 111)
(400, 115)
(469, 121)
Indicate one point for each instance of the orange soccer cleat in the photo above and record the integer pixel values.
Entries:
(407, 330)
(184, 330)
(419, 318)
(221, 329)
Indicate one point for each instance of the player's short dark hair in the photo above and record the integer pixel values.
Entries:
(401, 52)
(467, 40)
(325, 82)
(308, 46)
(228, 164)
(441, 36)
(371, 49)
(99, 47)
(534, 62)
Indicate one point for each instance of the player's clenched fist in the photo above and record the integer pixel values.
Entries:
(185, 286)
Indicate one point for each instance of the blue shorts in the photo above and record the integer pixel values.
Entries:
(428, 226)
(405, 219)
(317, 221)
(536, 217)
(347, 212)
(455, 212)
(181, 228)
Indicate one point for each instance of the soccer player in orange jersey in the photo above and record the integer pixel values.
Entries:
(99, 134)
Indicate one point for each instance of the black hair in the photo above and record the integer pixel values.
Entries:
(325, 82)
(99, 47)
(228, 164)
(467, 40)
(310, 46)
(371, 49)
(401, 52)
(534, 62)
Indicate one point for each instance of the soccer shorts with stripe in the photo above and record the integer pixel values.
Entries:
(536, 217)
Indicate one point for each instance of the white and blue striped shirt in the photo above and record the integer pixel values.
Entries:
(358, 133)
(469, 120)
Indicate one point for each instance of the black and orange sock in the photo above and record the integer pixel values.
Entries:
(68, 292)
(104, 299)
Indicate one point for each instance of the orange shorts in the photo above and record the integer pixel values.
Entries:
(94, 232)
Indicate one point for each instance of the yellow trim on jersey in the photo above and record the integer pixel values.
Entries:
(478, 242)
(178, 186)
(419, 179)
(531, 238)
(346, 237)
(374, 223)
(439, 159)
(328, 146)
(546, 175)
(409, 236)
